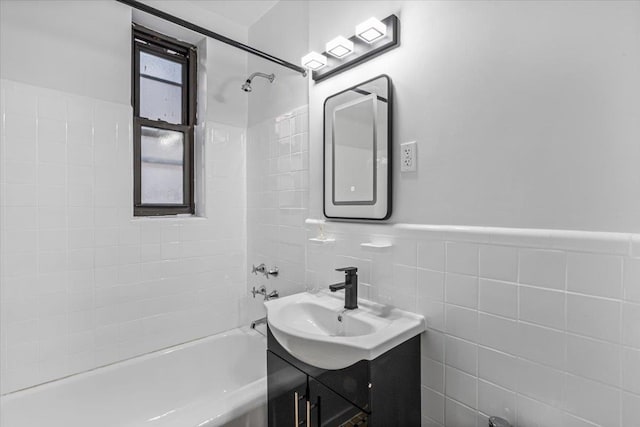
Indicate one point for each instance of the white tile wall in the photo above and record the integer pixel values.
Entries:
(278, 195)
(521, 324)
(83, 284)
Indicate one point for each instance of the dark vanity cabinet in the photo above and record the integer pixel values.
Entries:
(383, 392)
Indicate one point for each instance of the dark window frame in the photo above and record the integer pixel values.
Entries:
(145, 40)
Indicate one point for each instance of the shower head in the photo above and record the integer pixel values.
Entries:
(247, 84)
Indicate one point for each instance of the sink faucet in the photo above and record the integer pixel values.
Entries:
(350, 286)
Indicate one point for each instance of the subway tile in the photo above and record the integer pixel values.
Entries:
(432, 374)
(597, 360)
(433, 312)
(18, 127)
(457, 414)
(497, 367)
(405, 252)
(51, 131)
(461, 322)
(20, 172)
(20, 150)
(500, 298)
(404, 279)
(540, 382)
(631, 370)
(543, 268)
(432, 404)
(461, 290)
(462, 258)
(21, 100)
(431, 255)
(542, 306)
(592, 401)
(496, 401)
(593, 317)
(462, 355)
(631, 325)
(632, 279)
(52, 106)
(461, 386)
(430, 284)
(535, 413)
(432, 345)
(594, 274)
(541, 345)
(630, 409)
(498, 333)
(499, 262)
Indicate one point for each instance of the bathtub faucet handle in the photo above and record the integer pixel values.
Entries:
(262, 290)
(259, 269)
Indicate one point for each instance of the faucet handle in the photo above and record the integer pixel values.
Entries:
(348, 270)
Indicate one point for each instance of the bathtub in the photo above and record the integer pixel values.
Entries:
(214, 381)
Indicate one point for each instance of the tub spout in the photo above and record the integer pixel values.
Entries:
(260, 321)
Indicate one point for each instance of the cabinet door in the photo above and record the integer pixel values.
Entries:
(328, 409)
(286, 393)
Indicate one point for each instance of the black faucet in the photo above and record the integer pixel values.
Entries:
(350, 286)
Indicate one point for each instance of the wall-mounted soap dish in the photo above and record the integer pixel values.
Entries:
(370, 245)
(322, 240)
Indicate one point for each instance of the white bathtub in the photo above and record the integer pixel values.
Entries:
(215, 381)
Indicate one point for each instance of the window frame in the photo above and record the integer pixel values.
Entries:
(146, 40)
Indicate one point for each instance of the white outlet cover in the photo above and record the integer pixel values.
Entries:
(408, 156)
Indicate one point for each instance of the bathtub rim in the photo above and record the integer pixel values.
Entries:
(69, 379)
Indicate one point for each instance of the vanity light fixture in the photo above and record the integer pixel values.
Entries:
(372, 38)
(314, 61)
(371, 30)
(339, 47)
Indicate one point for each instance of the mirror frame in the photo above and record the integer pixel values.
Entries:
(377, 191)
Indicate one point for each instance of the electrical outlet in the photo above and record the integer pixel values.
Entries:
(408, 157)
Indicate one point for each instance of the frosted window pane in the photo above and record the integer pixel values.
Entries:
(161, 68)
(162, 162)
(160, 101)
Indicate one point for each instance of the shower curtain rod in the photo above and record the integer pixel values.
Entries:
(186, 24)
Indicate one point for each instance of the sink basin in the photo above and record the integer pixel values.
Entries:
(316, 329)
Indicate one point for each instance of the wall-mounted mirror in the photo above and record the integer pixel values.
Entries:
(357, 154)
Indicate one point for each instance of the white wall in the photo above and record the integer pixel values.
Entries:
(78, 47)
(278, 152)
(525, 113)
(83, 284)
(282, 32)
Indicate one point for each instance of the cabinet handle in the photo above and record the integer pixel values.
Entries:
(308, 414)
(296, 409)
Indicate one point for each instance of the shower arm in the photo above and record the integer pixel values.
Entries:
(198, 29)
(269, 77)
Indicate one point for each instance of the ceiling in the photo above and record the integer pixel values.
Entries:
(243, 12)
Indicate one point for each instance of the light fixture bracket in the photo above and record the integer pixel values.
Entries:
(362, 52)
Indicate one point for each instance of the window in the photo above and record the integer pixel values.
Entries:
(164, 116)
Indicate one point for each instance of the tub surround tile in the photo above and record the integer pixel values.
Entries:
(87, 271)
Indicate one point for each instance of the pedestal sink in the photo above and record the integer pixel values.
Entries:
(316, 329)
